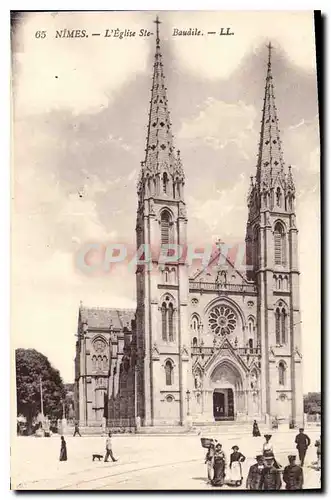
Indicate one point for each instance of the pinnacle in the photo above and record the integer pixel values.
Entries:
(270, 156)
(159, 144)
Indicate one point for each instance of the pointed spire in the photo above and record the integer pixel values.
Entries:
(270, 162)
(160, 155)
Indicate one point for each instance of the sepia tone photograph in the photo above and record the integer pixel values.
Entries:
(165, 248)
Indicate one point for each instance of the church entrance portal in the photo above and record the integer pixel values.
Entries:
(223, 404)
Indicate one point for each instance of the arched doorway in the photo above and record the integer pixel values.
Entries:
(223, 404)
(228, 394)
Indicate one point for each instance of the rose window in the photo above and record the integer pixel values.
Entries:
(222, 320)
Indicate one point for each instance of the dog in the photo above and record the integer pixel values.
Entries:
(96, 455)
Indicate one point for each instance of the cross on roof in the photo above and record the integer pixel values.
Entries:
(157, 22)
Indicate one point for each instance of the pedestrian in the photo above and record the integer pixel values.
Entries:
(219, 466)
(318, 452)
(275, 423)
(268, 450)
(235, 469)
(256, 430)
(109, 449)
(77, 430)
(254, 478)
(270, 480)
(293, 475)
(302, 441)
(63, 450)
(209, 460)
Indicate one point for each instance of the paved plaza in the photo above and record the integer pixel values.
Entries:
(145, 462)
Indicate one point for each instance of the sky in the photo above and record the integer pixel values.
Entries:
(80, 113)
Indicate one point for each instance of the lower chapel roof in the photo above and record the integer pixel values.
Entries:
(104, 317)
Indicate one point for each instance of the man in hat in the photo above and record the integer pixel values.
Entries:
(271, 479)
(254, 478)
(302, 441)
(293, 475)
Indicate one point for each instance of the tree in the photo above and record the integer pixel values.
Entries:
(312, 402)
(30, 366)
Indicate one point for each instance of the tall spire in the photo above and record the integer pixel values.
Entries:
(270, 163)
(160, 152)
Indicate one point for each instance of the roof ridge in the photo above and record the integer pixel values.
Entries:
(101, 308)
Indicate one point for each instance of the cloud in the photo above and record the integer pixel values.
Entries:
(219, 122)
(224, 215)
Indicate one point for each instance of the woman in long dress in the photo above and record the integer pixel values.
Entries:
(268, 450)
(63, 451)
(209, 460)
(219, 466)
(236, 459)
(256, 430)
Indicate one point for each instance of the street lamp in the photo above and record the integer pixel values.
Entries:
(188, 401)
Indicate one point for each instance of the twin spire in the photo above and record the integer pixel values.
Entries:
(160, 152)
(270, 164)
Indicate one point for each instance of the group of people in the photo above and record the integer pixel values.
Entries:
(216, 465)
(109, 447)
(266, 473)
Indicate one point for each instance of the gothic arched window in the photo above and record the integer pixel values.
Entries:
(105, 363)
(250, 326)
(279, 242)
(171, 322)
(168, 367)
(94, 363)
(281, 373)
(284, 326)
(165, 228)
(277, 318)
(165, 181)
(195, 323)
(286, 283)
(99, 363)
(173, 275)
(164, 321)
(195, 341)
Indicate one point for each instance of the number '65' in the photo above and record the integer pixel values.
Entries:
(40, 34)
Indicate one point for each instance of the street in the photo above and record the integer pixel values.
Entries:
(145, 461)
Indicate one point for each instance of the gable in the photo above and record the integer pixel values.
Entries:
(221, 269)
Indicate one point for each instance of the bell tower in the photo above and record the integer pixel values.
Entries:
(162, 281)
(272, 260)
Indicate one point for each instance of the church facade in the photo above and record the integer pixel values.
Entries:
(221, 344)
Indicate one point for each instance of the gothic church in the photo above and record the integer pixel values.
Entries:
(220, 344)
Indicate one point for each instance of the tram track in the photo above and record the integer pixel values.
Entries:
(131, 471)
